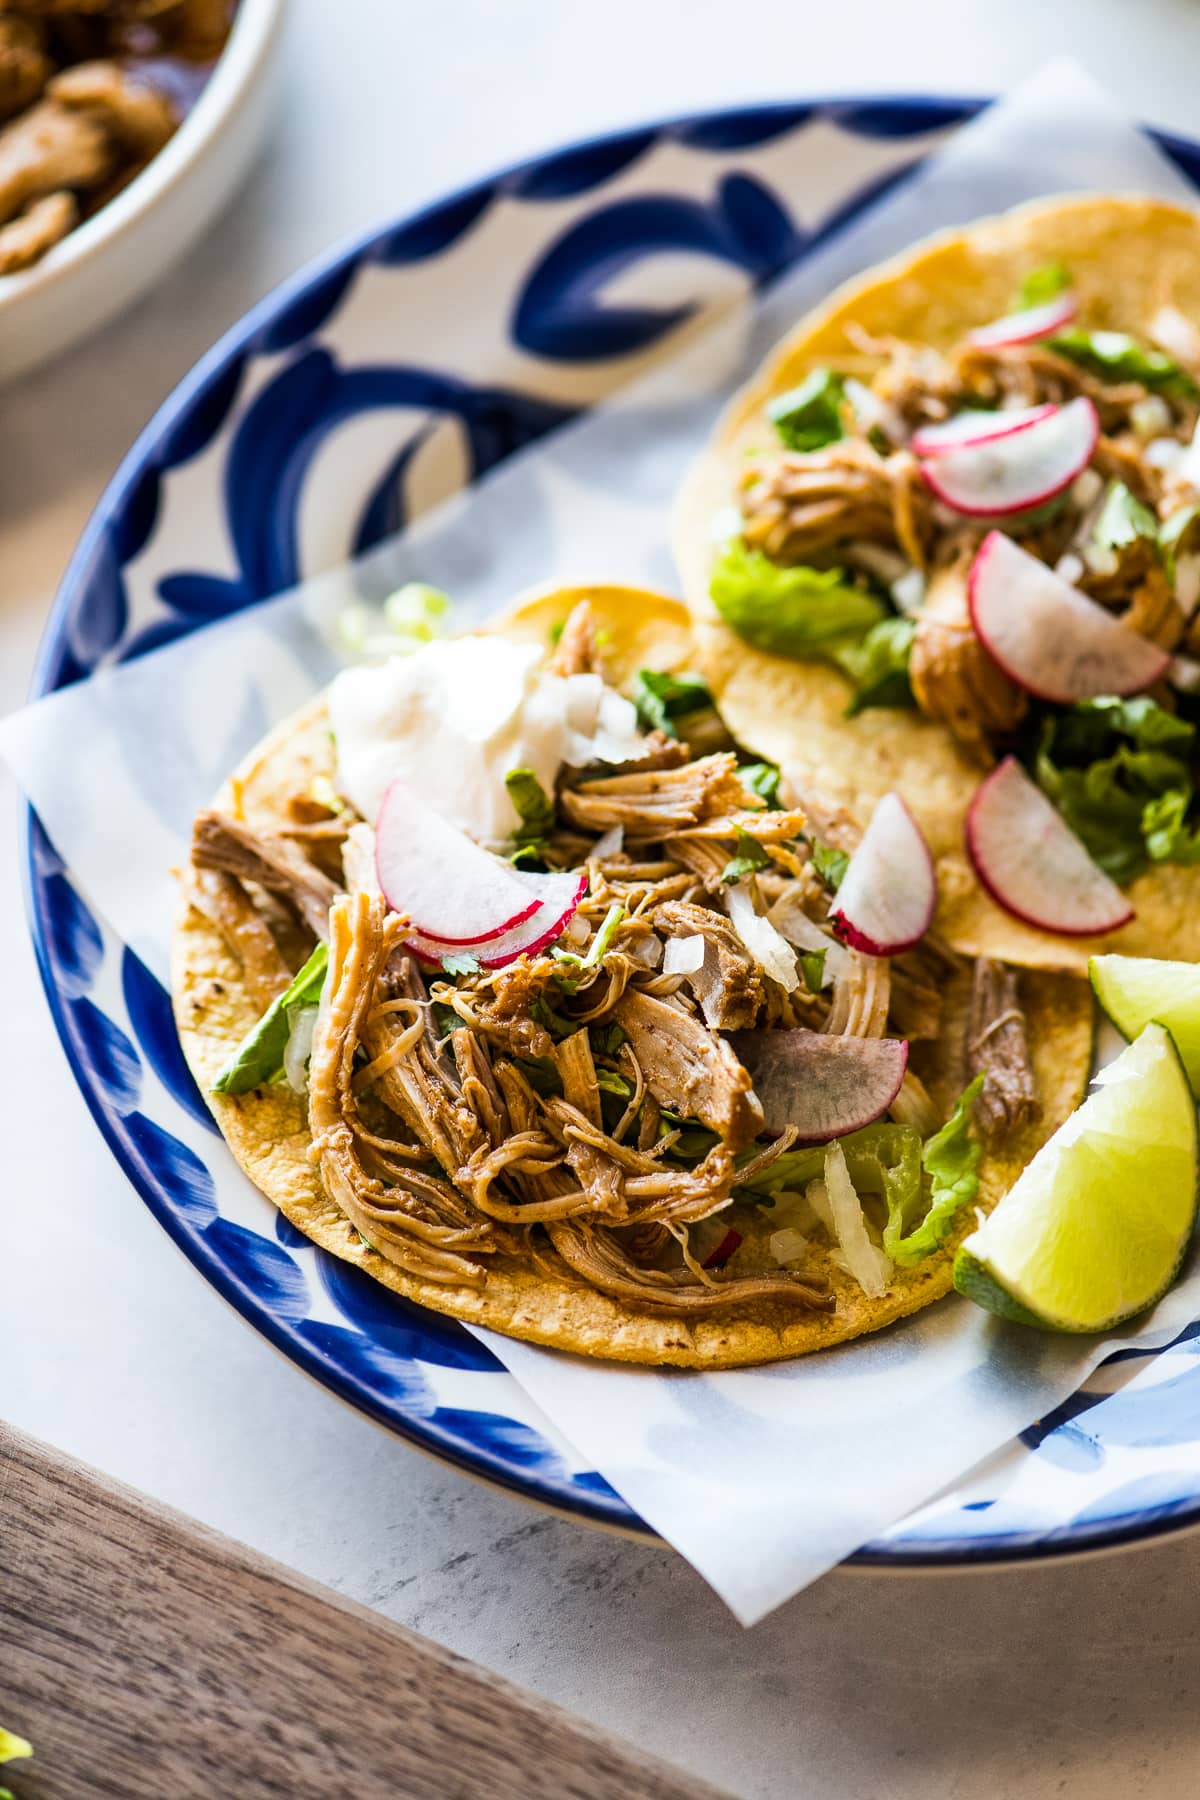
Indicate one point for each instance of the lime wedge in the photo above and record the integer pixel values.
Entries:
(1096, 1227)
(1135, 989)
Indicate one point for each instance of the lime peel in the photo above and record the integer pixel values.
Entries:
(1096, 1227)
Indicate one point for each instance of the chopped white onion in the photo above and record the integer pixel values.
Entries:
(1184, 674)
(770, 950)
(611, 844)
(1187, 582)
(299, 1048)
(578, 931)
(818, 1199)
(788, 1246)
(1164, 453)
(1150, 417)
(683, 956)
(874, 413)
(1176, 334)
(646, 951)
(790, 919)
(864, 1259)
(909, 591)
(1100, 559)
(1069, 567)
(725, 523)
(1086, 488)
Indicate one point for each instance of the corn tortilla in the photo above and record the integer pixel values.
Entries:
(267, 1129)
(1128, 256)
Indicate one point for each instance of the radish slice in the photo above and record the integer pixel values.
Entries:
(1048, 637)
(886, 900)
(719, 1256)
(556, 896)
(1025, 468)
(1031, 862)
(967, 428)
(449, 887)
(1027, 326)
(824, 1085)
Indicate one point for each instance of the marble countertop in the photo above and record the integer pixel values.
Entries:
(1066, 1679)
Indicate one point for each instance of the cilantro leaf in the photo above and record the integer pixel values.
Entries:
(661, 699)
(762, 778)
(830, 864)
(751, 856)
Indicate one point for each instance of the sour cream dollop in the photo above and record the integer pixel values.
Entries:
(455, 716)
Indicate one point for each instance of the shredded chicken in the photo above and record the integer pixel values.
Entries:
(797, 506)
(728, 985)
(997, 1044)
(273, 862)
(688, 1070)
(652, 803)
(952, 675)
(227, 905)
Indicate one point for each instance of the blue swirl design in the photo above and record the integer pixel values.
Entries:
(382, 1354)
(560, 313)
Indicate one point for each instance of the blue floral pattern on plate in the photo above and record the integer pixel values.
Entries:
(246, 439)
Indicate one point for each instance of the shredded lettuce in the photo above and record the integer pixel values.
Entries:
(1043, 284)
(798, 612)
(809, 416)
(750, 857)
(606, 1040)
(534, 806)
(762, 778)
(812, 967)
(882, 1159)
(830, 864)
(950, 1158)
(12, 1747)
(259, 1056)
(661, 699)
(541, 1073)
(598, 947)
(416, 610)
(1119, 357)
(1178, 534)
(878, 666)
(1123, 520)
(1110, 767)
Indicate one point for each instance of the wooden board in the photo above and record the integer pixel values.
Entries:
(150, 1659)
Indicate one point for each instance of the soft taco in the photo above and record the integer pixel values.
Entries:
(955, 520)
(635, 1100)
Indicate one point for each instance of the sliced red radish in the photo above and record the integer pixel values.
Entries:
(450, 887)
(1031, 862)
(1047, 636)
(557, 896)
(971, 427)
(1028, 325)
(823, 1085)
(719, 1256)
(1021, 470)
(886, 900)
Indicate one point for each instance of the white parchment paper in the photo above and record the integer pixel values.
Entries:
(763, 1479)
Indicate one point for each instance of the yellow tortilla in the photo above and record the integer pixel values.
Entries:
(1128, 256)
(268, 1133)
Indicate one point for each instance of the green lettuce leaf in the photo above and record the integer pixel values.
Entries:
(881, 1159)
(661, 699)
(798, 612)
(598, 948)
(1105, 764)
(259, 1056)
(1178, 534)
(878, 666)
(809, 416)
(950, 1158)
(812, 967)
(1117, 357)
(1043, 284)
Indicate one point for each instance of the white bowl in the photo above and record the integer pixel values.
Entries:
(132, 241)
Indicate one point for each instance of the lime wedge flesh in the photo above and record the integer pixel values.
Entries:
(1096, 1227)
(1133, 990)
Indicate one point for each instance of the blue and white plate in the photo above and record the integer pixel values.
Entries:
(369, 386)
